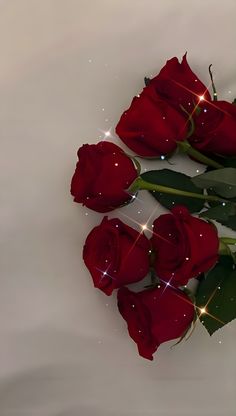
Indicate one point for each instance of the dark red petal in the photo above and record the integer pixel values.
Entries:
(138, 321)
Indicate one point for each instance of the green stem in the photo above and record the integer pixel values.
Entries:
(228, 240)
(186, 147)
(140, 184)
(212, 83)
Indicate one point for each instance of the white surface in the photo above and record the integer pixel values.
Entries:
(63, 352)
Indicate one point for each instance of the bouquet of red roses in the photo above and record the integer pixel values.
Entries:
(174, 112)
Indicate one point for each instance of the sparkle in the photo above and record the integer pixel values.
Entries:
(116, 164)
(162, 157)
(201, 97)
(144, 227)
(105, 133)
(167, 284)
(105, 274)
(219, 342)
(204, 310)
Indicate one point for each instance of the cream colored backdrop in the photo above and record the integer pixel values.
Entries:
(68, 69)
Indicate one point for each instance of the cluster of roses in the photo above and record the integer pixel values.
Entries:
(182, 246)
(156, 120)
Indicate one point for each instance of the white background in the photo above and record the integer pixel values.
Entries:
(66, 67)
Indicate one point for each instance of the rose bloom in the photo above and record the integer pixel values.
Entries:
(151, 127)
(116, 255)
(102, 176)
(155, 316)
(215, 128)
(185, 246)
(177, 84)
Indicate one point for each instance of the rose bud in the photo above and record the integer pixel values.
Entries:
(215, 128)
(102, 176)
(155, 316)
(178, 85)
(151, 127)
(116, 255)
(185, 246)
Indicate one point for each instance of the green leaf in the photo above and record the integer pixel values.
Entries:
(217, 294)
(219, 213)
(222, 181)
(231, 222)
(167, 177)
(216, 203)
(227, 162)
(224, 214)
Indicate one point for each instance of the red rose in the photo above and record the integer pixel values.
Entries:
(151, 127)
(102, 175)
(116, 255)
(155, 316)
(177, 84)
(215, 128)
(185, 246)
